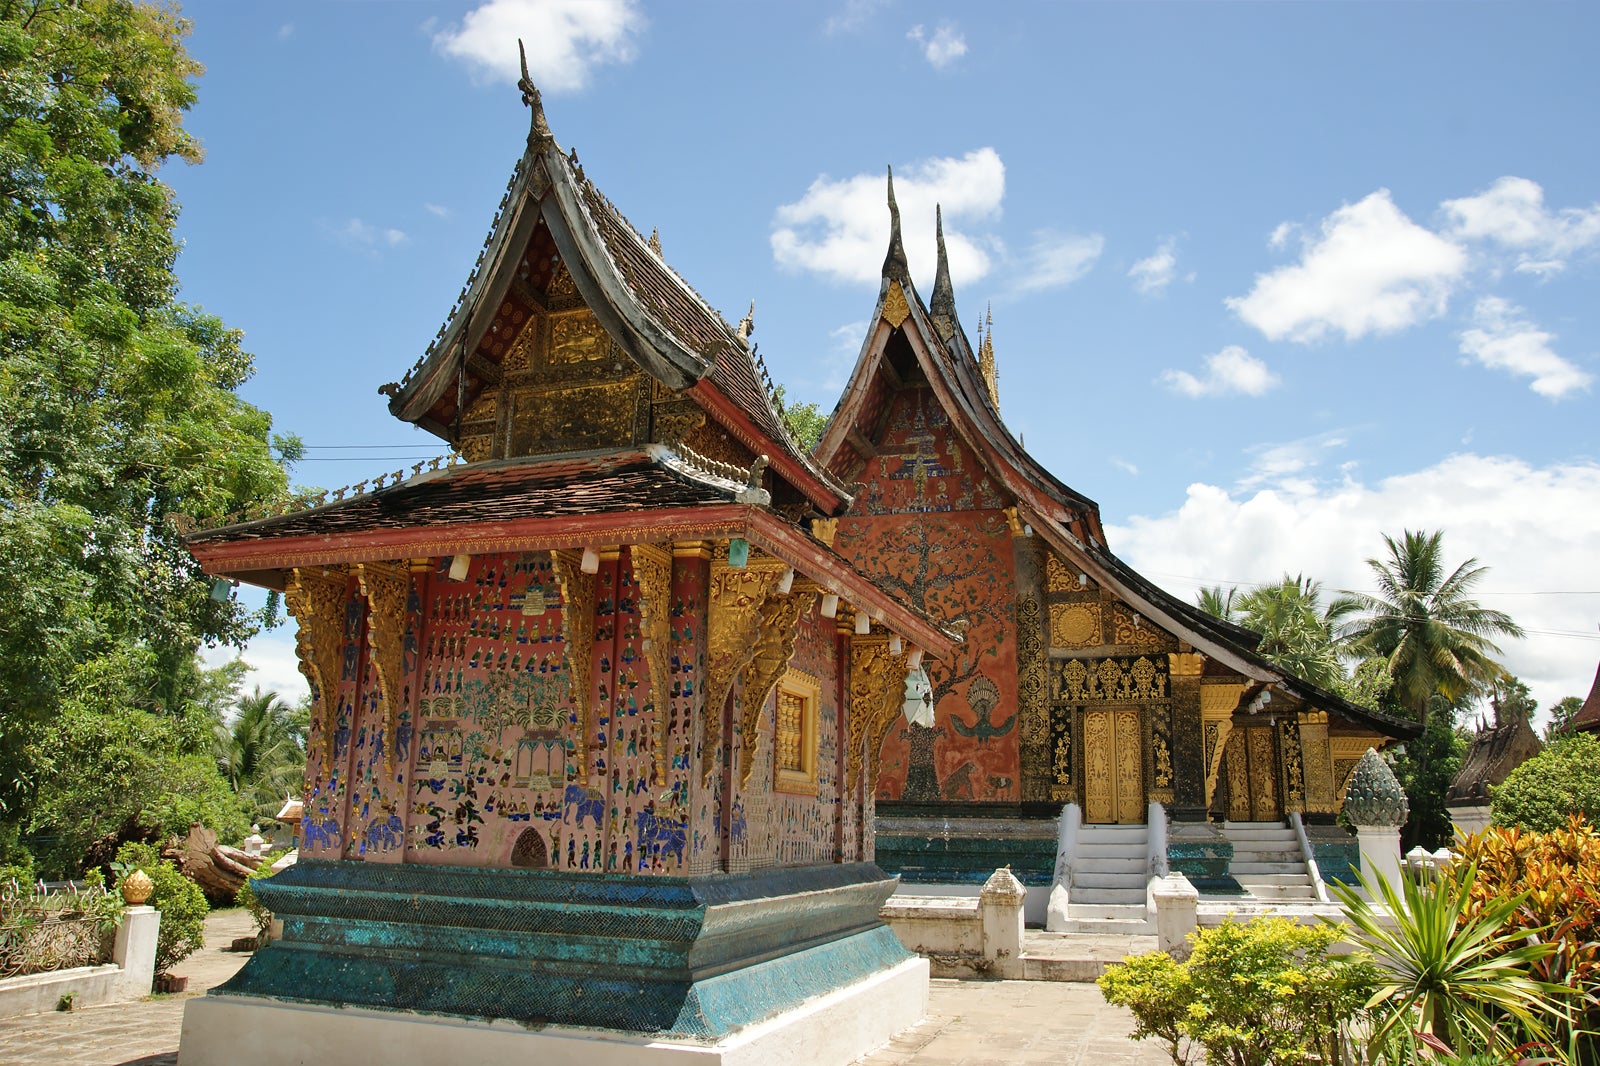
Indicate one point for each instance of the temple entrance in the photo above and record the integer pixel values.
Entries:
(1113, 767)
(1250, 768)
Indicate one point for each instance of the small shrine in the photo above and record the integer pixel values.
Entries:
(597, 711)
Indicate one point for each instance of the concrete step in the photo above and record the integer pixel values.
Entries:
(1130, 834)
(1246, 826)
(1101, 850)
(1107, 912)
(1280, 892)
(1288, 878)
(1101, 896)
(1260, 854)
(1111, 864)
(1092, 879)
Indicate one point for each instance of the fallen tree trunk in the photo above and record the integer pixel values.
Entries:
(219, 870)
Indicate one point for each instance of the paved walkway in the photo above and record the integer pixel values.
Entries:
(994, 1023)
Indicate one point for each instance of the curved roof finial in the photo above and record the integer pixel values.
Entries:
(894, 263)
(747, 325)
(943, 301)
(540, 129)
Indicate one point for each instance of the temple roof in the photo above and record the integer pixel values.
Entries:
(1490, 758)
(1587, 720)
(1068, 520)
(666, 327)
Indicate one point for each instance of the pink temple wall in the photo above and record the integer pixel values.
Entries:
(929, 522)
(484, 768)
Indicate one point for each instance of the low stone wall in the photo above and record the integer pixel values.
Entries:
(127, 976)
(964, 936)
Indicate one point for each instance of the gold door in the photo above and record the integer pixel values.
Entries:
(1252, 776)
(1113, 762)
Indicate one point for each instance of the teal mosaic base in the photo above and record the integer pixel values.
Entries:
(689, 958)
(963, 860)
(1204, 864)
(1337, 861)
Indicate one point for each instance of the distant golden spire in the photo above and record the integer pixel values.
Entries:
(986, 367)
(655, 241)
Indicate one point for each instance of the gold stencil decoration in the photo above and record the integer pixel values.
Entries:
(386, 587)
(1033, 700)
(578, 338)
(780, 615)
(1058, 576)
(575, 417)
(482, 409)
(734, 609)
(1161, 749)
(1294, 796)
(1109, 680)
(1132, 630)
(316, 599)
(895, 308)
(877, 692)
(652, 569)
(1074, 625)
(561, 283)
(476, 449)
(1317, 763)
(521, 354)
(672, 422)
(577, 631)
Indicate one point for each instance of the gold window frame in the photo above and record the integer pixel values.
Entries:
(798, 705)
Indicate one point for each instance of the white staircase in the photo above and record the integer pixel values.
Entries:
(1110, 870)
(1267, 862)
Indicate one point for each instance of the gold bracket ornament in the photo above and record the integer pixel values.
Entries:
(386, 587)
(734, 606)
(652, 569)
(895, 308)
(316, 599)
(780, 618)
(877, 690)
(577, 631)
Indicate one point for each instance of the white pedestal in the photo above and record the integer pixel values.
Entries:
(1380, 853)
(831, 1030)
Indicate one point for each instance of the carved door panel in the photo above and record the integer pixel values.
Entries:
(1113, 767)
(1252, 770)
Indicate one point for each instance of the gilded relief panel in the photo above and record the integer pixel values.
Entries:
(928, 524)
(560, 420)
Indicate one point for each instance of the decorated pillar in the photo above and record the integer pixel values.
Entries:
(1316, 762)
(1033, 695)
(1188, 752)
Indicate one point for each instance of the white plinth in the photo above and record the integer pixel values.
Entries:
(1380, 853)
(831, 1030)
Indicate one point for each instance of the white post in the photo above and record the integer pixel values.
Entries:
(1175, 901)
(1000, 905)
(1061, 883)
(135, 949)
(1380, 852)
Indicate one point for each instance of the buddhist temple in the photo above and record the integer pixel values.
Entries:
(622, 714)
(597, 711)
(1587, 719)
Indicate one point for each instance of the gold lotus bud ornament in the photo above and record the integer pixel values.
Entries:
(136, 887)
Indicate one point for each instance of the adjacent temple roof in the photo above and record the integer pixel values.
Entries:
(1490, 758)
(553, 217)
(1587, 720)
(909, 335)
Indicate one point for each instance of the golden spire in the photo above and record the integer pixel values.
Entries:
(986, 367)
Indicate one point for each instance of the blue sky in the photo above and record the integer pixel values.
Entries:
(1267, 280)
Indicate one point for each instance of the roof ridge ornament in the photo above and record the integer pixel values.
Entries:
(894, 262)
(747, 324)
(943, 300)
(986, 363)
(539, 134)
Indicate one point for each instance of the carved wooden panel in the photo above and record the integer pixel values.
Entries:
(1113, 779)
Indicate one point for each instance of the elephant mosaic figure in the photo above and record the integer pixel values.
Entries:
(589, 803)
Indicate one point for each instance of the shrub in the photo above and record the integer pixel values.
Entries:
(182, 905)
(248, 900)
(1560, 781)
(1266, 992)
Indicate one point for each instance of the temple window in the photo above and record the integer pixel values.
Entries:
(796, 734)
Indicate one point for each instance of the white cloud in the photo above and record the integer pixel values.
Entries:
(1125, 466)
(437, 210)
(1055, 260)
(1496, 508)
(355, 233)
(565, 39)
(1232, 370)
(271, 658)
(1152, 274)
(1288, 463)
(1512, 214)
(1281, 233)
(1502, 339)
(286, 31)
(841, 228)
(944, 46)
(853, 16)
(1370, 270)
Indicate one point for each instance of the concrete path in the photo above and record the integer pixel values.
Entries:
(994, 1023)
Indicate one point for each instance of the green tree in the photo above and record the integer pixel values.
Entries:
(118, 411)
(805, 420)
(1217, 602)
(1424, 622)
(1297, 631)
(1425, 767)
(260, 751)
(1511, 700)
(1562, 780)
(1561, 713)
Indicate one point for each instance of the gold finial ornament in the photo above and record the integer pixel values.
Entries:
(986, 367)
(137, 887)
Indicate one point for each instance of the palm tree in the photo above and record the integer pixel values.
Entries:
(258, 749)
(1297, 632)
(1435, 638)
(1218, 602)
